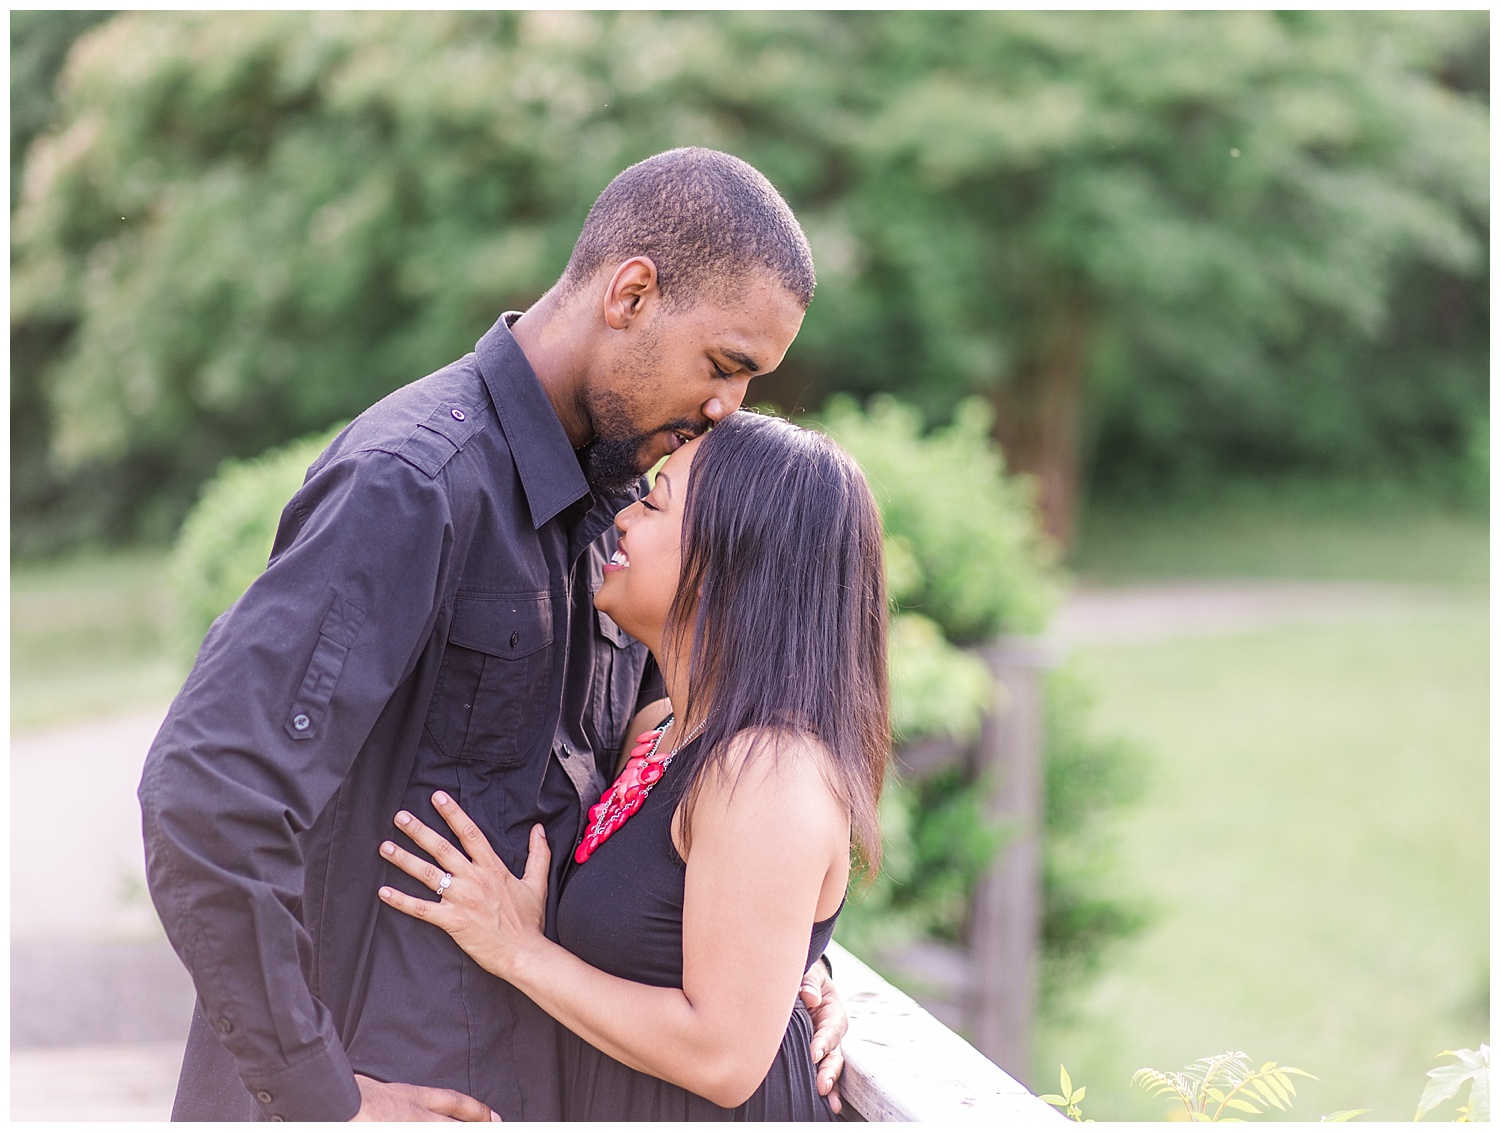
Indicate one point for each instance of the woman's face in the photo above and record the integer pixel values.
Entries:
(640, 582)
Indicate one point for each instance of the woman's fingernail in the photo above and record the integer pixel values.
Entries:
(403, 818)
(441, 799)
(385, 894)
(387, 847)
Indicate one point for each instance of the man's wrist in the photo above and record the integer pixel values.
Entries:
(318, 1087)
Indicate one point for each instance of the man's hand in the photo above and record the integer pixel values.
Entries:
(830, 1024)
(381, 1100)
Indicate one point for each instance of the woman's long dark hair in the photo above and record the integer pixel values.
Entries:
(784, 586)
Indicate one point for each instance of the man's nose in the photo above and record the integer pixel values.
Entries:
(719, 406)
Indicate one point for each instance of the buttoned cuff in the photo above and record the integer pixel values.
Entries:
(319, 1087)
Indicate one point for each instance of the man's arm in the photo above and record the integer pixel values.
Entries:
(286, 689)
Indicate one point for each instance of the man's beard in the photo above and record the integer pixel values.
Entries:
(612, 460)
(611, 464)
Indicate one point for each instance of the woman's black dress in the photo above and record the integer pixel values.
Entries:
(621, 911)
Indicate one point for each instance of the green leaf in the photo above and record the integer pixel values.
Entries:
(1241, 1105)
(1067, 1082)
(1479, 1092)
(1344, 1114)
(1271, 1089)
(1052, 1098)
(1253, 1089)
(1446, 1081)
(1078, 1096)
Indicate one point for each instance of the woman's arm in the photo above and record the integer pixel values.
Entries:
(764, 850)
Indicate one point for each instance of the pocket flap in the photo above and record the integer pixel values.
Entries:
(611, 631)
(505, 625)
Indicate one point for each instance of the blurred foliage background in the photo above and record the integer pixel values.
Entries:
(1167, 246)
(1216, 283)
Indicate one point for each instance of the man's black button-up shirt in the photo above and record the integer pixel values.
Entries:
(426, 621)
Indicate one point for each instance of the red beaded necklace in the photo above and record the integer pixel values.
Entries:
(643, 769)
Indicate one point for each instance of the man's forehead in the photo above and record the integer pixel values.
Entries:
(754, 330)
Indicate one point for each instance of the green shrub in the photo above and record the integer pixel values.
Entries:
(1086, 776)
(983, 568)
(965, 563)
(226, 539)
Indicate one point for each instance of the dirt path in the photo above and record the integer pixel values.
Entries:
(1192, 608)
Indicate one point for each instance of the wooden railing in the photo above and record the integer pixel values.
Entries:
(901, 1063)
(987, 984)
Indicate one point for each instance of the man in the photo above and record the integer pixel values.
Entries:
(426, 621)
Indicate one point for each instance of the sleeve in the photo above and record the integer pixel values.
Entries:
(285, 691)
(652, 688)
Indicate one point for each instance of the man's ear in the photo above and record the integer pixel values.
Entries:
(631, 289)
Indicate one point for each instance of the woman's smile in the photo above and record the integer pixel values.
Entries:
(649, 551)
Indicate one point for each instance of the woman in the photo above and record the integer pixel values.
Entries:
(710, 875)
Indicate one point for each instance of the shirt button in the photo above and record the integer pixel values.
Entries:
(301, 723)
(225, 1026)
(458, 414)
(264, 1097)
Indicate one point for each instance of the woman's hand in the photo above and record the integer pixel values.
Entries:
(830, 1024)
(493, 916)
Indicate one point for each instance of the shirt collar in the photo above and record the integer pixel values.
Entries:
(545, 460)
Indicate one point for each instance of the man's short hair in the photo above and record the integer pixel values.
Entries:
(706, 219)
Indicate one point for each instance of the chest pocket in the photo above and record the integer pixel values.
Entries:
(491, 702)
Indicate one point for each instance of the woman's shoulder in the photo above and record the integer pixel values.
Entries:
(780, 762)
(775, 750)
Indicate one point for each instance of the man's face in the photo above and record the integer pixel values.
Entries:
(677, 370)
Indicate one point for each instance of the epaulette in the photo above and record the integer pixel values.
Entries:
(439, 438)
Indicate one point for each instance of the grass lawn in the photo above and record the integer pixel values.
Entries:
(1297, 535)
(89, 637)
(1315, 835)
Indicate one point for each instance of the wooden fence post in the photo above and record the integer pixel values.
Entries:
(1006, 927)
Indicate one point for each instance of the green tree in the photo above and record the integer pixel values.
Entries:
(1180, 240)
(39, 42)
(1195, 219)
